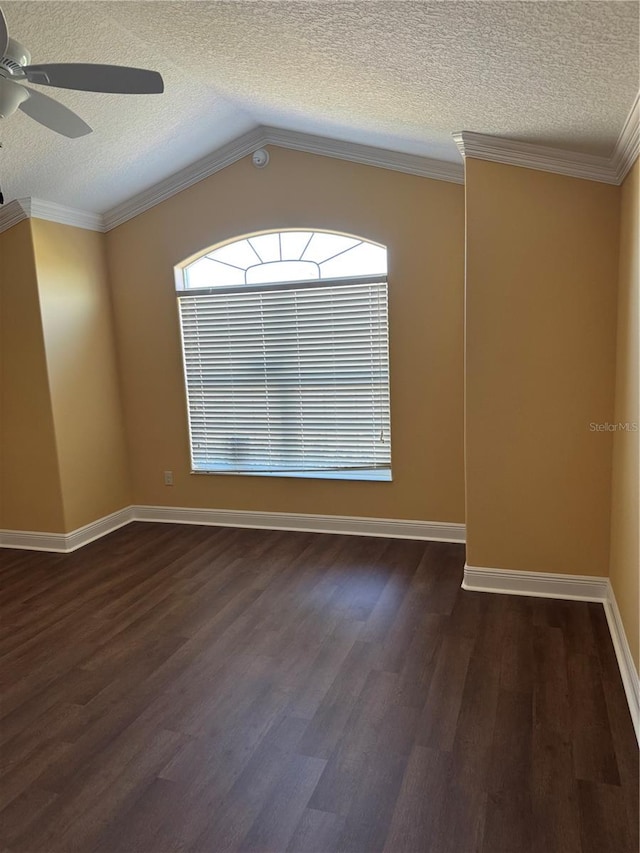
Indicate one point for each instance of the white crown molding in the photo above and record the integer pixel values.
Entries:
(628, 144)
(198, 171)
(368, 155)
(482, 146)
(354, 526)
(537, 584)
(412, 164)
(11, 214)
(610, 170)
(39, 209)
(64, 543)
(35, 208)
(628, 671)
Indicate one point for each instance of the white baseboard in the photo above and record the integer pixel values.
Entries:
(30, 540)
(538, 584)
(64, 543)
(351, 525)
(628, 670)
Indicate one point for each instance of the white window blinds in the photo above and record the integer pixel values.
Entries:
(288, 378)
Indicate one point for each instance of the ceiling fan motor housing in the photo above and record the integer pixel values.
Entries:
(15, 56)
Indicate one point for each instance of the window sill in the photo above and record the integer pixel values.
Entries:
(381, 475)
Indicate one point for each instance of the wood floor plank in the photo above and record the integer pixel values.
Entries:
(603, 818)
(372, 805)
(416, 822)
(152, 822)
(348, 762)
(78, 814)
(234, 815)
(594, 755)
(316, 832)
(324, 669)
(439, 719)
(23, 811)
(509, 815)
(326, 726)
(462, 821)
(185, 689)
(517, 666)
(275, 824)
(622, 734)
(554, 787)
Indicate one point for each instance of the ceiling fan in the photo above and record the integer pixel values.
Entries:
(16, 70)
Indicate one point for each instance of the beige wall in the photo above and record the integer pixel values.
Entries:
(30, 491)
(81, 365)
(422, 223)
(625, 511)
(540, 359)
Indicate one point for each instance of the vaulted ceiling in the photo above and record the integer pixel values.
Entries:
(397, 75)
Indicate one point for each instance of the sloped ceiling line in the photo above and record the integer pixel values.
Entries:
(247, 143)
(198, 171)
(611, 170)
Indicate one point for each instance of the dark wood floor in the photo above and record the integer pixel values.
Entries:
(193, 689)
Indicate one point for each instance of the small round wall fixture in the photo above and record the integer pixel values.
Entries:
(260, 158)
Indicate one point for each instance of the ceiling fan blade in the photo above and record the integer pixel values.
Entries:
(96, 78)
(4, 35)
(12, 94)
(53, 114)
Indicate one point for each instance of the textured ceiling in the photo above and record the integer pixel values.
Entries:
(400, 75)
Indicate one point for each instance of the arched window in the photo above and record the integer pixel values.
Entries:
(285, 343)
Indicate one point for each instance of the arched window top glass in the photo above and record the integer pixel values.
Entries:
(286, 256)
